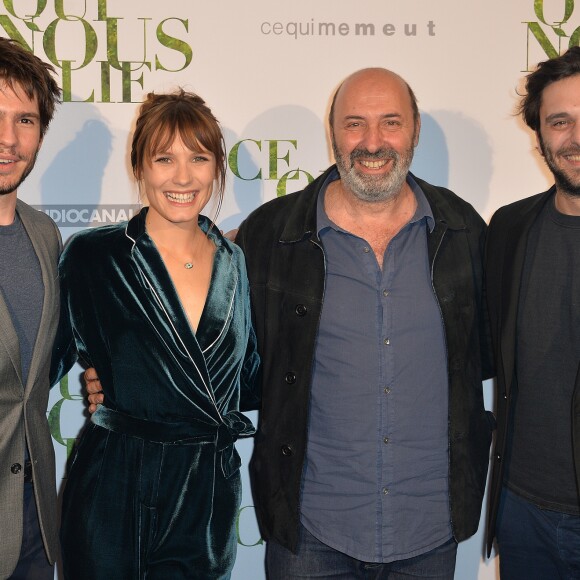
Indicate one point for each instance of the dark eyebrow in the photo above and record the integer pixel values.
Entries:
(24, 113)
(28, 115)
(556, 116)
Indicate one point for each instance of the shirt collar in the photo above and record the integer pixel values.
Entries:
(423, 208)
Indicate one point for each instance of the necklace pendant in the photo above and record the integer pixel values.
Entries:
(188, 265)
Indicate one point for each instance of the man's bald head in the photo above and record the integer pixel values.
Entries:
(362, 77)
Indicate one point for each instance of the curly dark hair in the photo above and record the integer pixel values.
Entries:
(546, 73)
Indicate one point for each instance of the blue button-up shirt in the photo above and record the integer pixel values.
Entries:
(376, 479)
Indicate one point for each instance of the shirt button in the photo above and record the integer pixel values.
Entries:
(386, 341)
(287, 450)
(385, 491)
(387, 390)
(385, 293)
(366, 250)
(16, 468)
(301, 310)
(385, 440)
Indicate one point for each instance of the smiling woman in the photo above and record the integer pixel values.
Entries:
(160, 307)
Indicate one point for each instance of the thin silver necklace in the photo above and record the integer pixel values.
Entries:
(187, 265)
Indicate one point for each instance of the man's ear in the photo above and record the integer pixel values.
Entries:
(417, 132)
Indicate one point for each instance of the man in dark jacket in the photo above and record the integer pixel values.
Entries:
(373, 443)
(533, 290)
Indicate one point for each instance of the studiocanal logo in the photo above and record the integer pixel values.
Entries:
(88, 43)
(79, 216)
(556, 28)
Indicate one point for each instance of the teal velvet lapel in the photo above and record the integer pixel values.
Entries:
(217, 312)
(165, 312)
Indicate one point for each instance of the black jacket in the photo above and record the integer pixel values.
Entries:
(505, 253)
(286, 268)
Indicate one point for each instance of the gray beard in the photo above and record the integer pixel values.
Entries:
(371, 188)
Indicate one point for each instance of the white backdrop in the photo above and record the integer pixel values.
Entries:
(268, 69)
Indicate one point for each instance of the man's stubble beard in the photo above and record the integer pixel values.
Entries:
(563, 182)
(6, 189)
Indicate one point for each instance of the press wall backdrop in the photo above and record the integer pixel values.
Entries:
(268, 69)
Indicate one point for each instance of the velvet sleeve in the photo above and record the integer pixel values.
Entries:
(65, 352)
